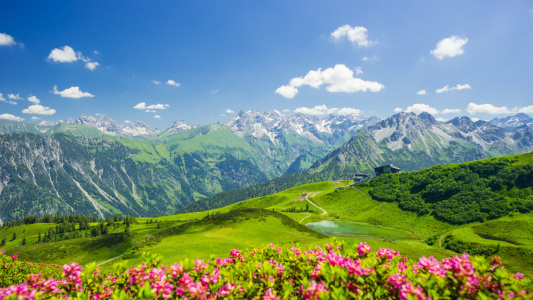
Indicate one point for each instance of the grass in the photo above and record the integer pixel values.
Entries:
(197, 235)
(201, 241)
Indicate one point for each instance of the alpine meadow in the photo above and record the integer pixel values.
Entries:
(266, 150)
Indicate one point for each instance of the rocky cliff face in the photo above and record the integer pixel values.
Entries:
(413, 142)
(66, 174)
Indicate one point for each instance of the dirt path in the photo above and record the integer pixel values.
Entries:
(105, 262)
(304, 218)
(443, 236)
(366, 195)
(307, 199)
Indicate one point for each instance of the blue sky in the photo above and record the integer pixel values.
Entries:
(470, 57)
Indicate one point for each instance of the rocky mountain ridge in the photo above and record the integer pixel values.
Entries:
(413, 142)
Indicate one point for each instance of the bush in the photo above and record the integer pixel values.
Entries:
(273, 272)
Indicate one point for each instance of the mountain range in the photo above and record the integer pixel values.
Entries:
(97, 167)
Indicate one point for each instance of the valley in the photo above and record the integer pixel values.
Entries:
(281, 217)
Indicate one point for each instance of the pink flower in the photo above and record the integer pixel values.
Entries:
(227, 288)
(269, 295)
(200, 265)
(176, 270)
(518, 275)
(197, 290)
(156, 273)
(408, 289)
(397, 280)
(363, 249)
(235, 253)
(3, 252)
(429, 264)
(317, 271)
(162, 288)
(313, 290)
(388, 253)
(14, 256)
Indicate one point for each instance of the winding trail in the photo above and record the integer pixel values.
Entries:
(304, 218)
(307, 199)
(443, 236)
(366, 195)
(105, 262)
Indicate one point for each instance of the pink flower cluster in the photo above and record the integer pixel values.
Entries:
(277, 273)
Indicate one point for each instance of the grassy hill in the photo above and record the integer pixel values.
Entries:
(279, 217)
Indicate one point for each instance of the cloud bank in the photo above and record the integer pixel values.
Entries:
(143, 105)
(339, 79)
(10, 117)
(458, 87)
(320, 110)
(72, 92)
(39, 110)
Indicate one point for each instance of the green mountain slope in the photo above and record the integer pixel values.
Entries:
(409, 141)
(67, 174)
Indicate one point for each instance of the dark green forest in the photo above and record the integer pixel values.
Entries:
(463, 193)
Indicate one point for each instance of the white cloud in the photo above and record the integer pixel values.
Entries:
(151, 111)
(451, 111)
(68, 55)
(72, 92)
(458, 87)
(39, 110)
(356, 35)
(287, 91)
(398, 110)
(14, 97)
(35, 118)
(173, 83)
(64, 55)
(324, 110)
(6, 40)
(157, 116)
(229, 111)
(286, 110)
(449, 47)
(213, 92)
(339, 79)
(358, 71)
(345, 111)
(487, 109)
(92, 65)
(7, 101)
(10, 117)
(369, 59)
(422, 92)
(34, 100)
(526, 110)
(156, 82)
(316, 111)
(495, 110)
(441, 119)
(142, 105)
(419, 107)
